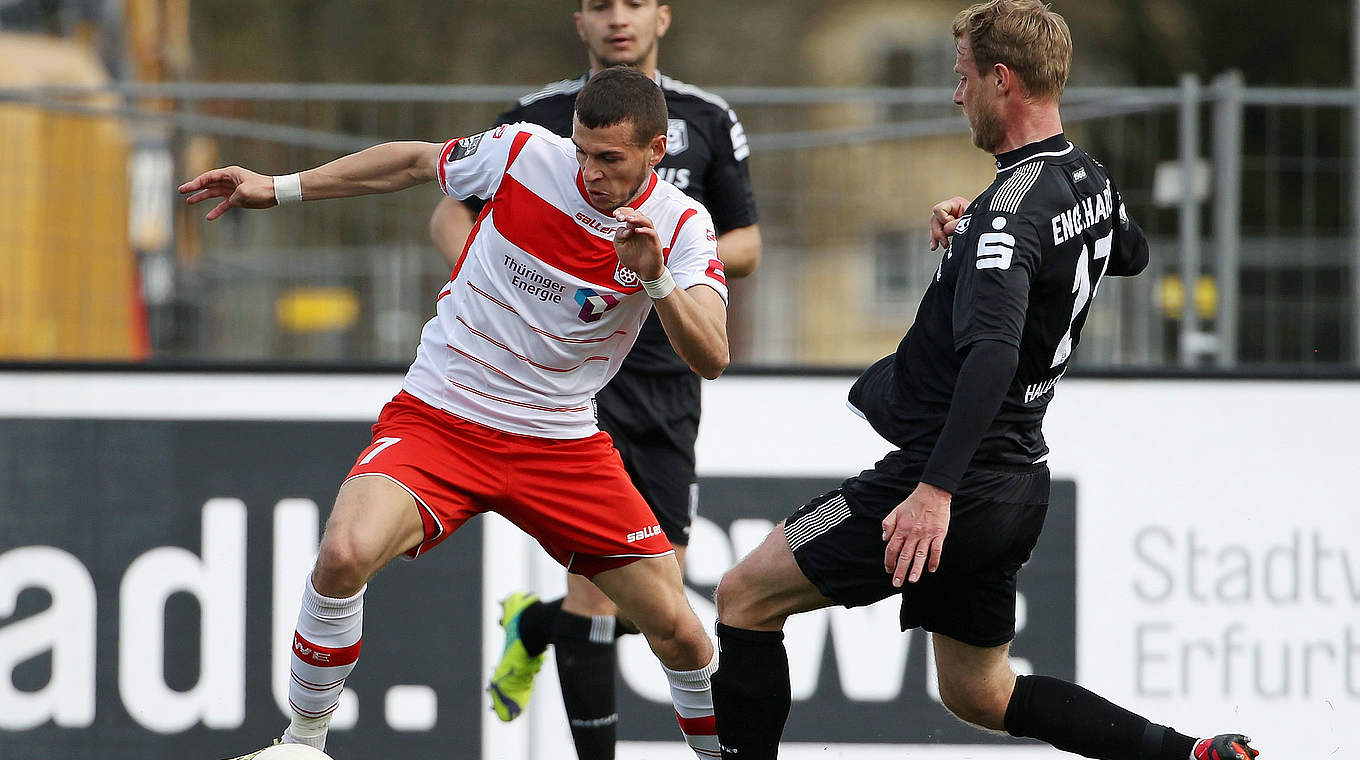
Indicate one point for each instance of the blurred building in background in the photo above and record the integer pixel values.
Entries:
(69, 289)
(106, 106)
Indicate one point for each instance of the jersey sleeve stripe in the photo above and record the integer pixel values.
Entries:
(443, 158)
(715, 270)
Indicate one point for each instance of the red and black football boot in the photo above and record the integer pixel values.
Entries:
(1223, 747)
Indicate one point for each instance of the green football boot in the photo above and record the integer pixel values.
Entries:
(513, 680)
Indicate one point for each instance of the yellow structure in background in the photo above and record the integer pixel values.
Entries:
(68, 277)
(317, 310)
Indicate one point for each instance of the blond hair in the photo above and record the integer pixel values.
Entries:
(1024, 35)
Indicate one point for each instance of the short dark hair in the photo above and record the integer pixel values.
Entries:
(620, 94)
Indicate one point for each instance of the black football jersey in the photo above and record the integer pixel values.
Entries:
(706, 151)
(1025, 261)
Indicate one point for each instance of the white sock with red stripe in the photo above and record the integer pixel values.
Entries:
(325, 649)
(692, 694)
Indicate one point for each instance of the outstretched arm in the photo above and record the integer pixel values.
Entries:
(383, 168)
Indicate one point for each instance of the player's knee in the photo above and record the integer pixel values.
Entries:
(980, 704)
(676, 639)
(738, 604)
(342, 567)
(725, 598)
(662, 627)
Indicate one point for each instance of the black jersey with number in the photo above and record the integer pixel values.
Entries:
(706, 154)
(1023, 265)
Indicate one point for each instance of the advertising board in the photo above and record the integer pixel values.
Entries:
(1199, 566)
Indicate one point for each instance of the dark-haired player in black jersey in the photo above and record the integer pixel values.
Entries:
(651, 407)
(960, 503)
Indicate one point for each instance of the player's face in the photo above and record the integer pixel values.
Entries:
(614, 167)
(622, 32)
(978, 98)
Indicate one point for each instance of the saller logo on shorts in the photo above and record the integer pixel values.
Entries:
(647, 532)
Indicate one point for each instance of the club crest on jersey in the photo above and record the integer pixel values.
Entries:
(594, 305)
(625, 276)
(465, 147)
(962, 226)
(677, 136)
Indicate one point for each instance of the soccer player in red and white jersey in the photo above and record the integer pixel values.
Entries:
(651, 408)
(578, 242)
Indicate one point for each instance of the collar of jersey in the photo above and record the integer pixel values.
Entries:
(635, 205)
(1056, 145)
(656, 76)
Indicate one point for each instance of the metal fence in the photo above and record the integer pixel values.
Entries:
(1246, 194)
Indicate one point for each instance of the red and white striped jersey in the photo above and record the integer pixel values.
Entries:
(539, 313)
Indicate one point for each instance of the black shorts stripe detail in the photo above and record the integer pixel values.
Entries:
(826, 516)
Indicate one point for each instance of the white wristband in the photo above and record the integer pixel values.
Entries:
(661, 286)
(288, 188)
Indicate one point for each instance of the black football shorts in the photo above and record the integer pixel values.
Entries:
(994, 523)
(654, 421)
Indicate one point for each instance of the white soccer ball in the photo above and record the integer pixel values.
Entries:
(292, 752)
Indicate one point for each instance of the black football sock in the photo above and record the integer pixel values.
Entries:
(536, 625)
(751, 694)
(585, 667)
(1076, 720)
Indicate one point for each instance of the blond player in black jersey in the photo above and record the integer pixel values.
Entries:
(946, 521)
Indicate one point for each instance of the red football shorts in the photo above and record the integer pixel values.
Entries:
(573, 496)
